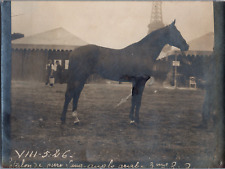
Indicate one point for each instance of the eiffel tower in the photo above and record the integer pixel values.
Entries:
(156, 21)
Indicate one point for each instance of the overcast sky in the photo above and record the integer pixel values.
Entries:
(111, 24)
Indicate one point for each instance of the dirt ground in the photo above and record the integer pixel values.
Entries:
(167, 135)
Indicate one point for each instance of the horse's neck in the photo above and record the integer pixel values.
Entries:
(153, 44)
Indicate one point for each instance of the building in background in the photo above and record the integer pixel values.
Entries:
(15, 36)
(31, 54)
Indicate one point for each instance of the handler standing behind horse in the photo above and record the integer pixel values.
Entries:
(58, 73)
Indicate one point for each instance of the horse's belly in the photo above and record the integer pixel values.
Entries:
(111, 73)
(122, 72)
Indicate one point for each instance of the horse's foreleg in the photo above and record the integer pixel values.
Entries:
(138, 102)
(137, 91)
(133, 103)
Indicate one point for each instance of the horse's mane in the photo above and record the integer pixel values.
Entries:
(150, 36)
(153, 34)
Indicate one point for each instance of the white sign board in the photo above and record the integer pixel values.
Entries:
(176, 63)
(66, 64)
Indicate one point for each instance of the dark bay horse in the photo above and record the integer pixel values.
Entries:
(133, 63)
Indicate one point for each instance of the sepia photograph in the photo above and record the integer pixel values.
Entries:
(114, 84)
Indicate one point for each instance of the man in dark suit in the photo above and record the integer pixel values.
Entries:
(58, 72)
(49, 68)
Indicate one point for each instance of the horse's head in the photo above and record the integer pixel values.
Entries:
(175, 38)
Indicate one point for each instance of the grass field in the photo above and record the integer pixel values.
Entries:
(167, 134)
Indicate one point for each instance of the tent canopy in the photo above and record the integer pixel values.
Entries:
(56, 39)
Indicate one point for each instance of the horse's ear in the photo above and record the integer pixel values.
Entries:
(174, 22)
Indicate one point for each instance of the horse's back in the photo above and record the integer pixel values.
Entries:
(84, 51)
(83, 56)
(113, 64)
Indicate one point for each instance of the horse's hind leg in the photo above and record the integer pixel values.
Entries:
(79, 88)
(73, 92)
(68, 97)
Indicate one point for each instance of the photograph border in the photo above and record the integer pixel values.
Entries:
(6, 78)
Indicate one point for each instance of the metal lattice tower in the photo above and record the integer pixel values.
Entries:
(156, 21)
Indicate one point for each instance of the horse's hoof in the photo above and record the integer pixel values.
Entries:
(132, 122)
(76, 121)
